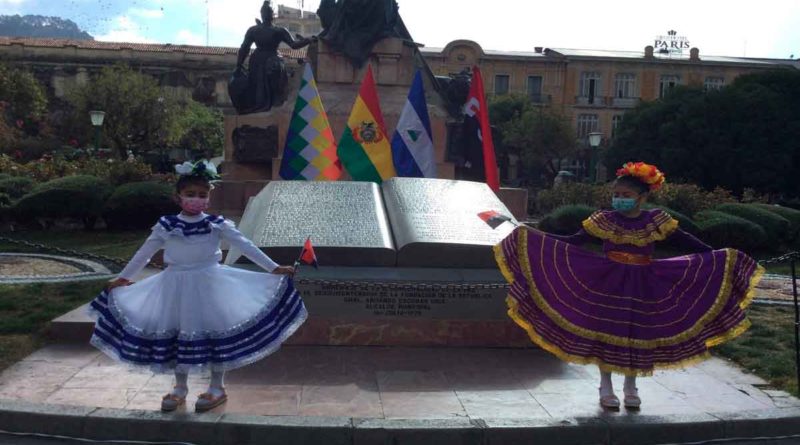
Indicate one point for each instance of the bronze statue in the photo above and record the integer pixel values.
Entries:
(264, 83)
(354, 26)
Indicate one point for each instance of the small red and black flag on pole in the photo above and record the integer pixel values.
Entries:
(493, 218)
(307, 255)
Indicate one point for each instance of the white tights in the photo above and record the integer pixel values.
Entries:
(215, 387)
(607, 388)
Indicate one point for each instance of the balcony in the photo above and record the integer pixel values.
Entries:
(591, 101)
(625, 102)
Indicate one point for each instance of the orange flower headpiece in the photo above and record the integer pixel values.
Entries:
(648, 174)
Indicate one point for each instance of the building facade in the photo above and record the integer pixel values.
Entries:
(297, 21)
(592, 88)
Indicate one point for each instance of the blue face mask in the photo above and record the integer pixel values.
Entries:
(623, 204)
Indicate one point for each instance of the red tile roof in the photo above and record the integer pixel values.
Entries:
(143, 47)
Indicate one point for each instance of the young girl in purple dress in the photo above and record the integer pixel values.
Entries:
(625, 311)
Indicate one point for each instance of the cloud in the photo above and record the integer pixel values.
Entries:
(147, 13)
(186, 37)
(123, 29)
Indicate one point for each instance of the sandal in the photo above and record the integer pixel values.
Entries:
(632, 400)
(171, 402)
(207, 401)
(609, 401)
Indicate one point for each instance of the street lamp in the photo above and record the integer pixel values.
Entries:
(97, 120)
(594, 142)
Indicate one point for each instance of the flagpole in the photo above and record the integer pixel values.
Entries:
(299, 259)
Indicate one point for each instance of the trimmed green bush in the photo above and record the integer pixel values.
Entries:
(80, 197)
(722, 229)
(684, 222)
(16, 187)
(5, 200)
(776, 226)
(792, 215)
(566, 220)
(138, 205)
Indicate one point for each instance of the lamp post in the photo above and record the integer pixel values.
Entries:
(97, 121)
(594, 142)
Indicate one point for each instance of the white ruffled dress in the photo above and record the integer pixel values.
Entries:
(197, 314)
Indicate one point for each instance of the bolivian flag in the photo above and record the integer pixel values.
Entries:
(364, 149)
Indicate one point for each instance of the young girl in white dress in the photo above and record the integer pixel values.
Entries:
(197, 314)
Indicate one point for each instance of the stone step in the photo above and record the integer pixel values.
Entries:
(361, 306)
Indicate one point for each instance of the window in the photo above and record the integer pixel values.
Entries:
(624, 85)
(501, 84)
(535, 88)
(714, 83)
(668, 82)
(590, 85)
(587, 123)
(615, 121)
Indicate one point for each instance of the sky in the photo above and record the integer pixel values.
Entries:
(769, 28)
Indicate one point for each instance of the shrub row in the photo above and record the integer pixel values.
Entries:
(87, 198)
(749, 227)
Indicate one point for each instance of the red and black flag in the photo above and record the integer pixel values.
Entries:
(493, 218)
(307, 256)
(479, 153)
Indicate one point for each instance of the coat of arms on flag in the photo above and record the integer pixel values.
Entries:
(364, 148)
(310, 151)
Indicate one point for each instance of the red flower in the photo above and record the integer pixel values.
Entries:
(73, 142)
(20, 123)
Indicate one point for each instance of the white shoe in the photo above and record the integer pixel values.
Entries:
(609, 401)
(632, 400)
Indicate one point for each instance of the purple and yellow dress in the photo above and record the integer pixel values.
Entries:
(623, 310)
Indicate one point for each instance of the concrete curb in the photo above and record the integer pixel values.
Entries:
(230, 429)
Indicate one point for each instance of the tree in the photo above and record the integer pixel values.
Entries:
(138, 114)
(23, 105)
(197, 128)
(742, 136)
(24, 95)
(538, 135)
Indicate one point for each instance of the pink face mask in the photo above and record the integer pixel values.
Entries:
(194, 206)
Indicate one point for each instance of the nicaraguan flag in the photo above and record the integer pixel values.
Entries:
(412, 143)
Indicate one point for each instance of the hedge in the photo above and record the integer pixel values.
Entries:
(138, 205)
(566, 220)
(722, 229)
(792, 215)
(80, 197)
(16, 187)
(776, 226)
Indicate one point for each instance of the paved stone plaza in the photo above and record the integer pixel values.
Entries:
(390, 383)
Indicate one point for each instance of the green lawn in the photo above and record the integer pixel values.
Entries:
(26, 309)
(767, 349)
(113, 244)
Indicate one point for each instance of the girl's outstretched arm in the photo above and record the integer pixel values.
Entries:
(687, 241)
(231, 234)
(579, 238)
(142, 256)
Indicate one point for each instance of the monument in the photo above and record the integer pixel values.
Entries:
(406, 262)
